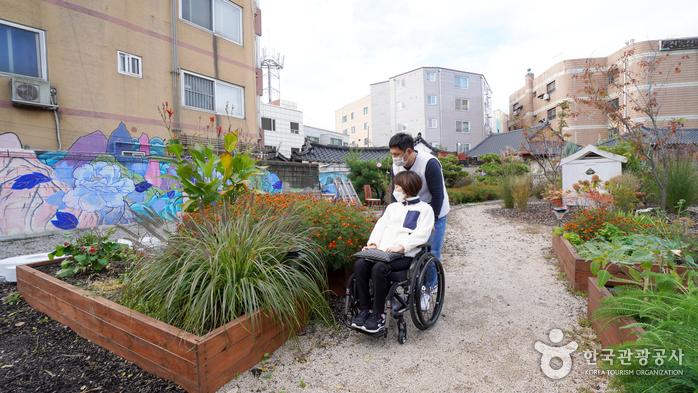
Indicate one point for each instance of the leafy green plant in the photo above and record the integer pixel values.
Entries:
(573, 238)
(87, 253)
(374, 173)
(229, 263)
(670, 321)
(625, 190)
(208, 177)
(12, 299)
(637, 255)
(609, 232)
(452, 169)
(521, 190)
(472, 193)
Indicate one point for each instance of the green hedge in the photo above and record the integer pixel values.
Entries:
(476, 192)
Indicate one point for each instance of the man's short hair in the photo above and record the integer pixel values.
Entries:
(402, 141)
(410, 182)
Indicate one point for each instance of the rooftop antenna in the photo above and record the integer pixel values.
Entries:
(272, 64)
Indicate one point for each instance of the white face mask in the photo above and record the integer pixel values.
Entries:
(399, 161)
(399, 195)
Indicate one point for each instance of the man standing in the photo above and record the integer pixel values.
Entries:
(433, 190)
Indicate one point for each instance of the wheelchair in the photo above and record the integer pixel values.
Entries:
(406, 288)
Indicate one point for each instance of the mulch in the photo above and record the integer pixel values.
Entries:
(538, 212)
(38, 354)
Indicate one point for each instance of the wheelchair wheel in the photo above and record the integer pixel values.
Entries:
(351, 301)
(426, 302)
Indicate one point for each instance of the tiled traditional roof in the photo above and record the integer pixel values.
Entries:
(332, 154)
(686, 136)
(511, 141)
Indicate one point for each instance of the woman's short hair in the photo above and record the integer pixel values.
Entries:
(410, 182)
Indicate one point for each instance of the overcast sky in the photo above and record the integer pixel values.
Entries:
(335, 48)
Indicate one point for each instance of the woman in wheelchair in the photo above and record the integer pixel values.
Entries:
(404, 226)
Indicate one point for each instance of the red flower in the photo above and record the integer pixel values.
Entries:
(212, 119)
(92, 250)
(170, 112)
(66, 244)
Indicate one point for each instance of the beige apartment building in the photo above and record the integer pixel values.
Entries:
(676, 92)
(70, 68)
(354, 120)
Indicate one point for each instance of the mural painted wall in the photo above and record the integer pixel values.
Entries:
(99, 180)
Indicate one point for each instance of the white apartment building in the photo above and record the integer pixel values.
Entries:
(282, 123)
(325, 137)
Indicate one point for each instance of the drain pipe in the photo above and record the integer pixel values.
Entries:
(175, 66)
(54, 101)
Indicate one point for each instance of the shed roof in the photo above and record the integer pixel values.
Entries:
(592, 151)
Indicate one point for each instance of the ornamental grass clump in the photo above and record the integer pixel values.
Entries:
(229, 263)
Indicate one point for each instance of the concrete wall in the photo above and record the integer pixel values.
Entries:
(82, 40)
(381, 127)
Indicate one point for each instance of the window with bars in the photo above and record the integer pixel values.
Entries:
(550, 87)
(462, 104)
(552, 113)
(199, 92)
(295, 127)
(462, 126)
(129, 64)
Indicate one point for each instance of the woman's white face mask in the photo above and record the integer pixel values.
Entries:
(399, 194)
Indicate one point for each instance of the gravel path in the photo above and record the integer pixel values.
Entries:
(503, 293)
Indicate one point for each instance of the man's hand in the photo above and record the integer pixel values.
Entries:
(369, 246)
(397, 249)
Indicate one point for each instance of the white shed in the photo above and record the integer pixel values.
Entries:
(586, 163)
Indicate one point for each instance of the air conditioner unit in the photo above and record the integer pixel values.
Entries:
(132, 153)
(34, 92)
(546, 97)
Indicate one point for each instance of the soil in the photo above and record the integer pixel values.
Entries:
(106, 283)
(38, 354)
(538, 212)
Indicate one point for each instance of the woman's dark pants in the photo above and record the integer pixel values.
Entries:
(379, 272)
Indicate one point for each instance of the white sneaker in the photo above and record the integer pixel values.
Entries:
(424, 301)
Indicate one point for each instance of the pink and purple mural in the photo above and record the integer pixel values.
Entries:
(99, 180)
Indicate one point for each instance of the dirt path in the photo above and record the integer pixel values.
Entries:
(503, 293)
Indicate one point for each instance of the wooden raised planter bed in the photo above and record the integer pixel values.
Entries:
(337, 280)
(577, 270)
(608, 332)
(196, 363)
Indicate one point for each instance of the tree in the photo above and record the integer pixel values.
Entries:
(547, 145)
(452, 170)
(374, 173)
(627, 94)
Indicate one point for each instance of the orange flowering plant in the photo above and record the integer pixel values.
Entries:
(587, 223)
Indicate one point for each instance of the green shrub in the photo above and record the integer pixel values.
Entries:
(224, 265)
(90, 252)
(374, 173)
(521, 190)
(452, 169)
(494, 169)
(624, 190)
(475, 192)
(506, 190)
(682, 182)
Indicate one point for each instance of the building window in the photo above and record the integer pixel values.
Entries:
(462, 126)
(614, 103)
(344, 119)
(352, 115)
(365, 126)
(462, 104)
(213, 95)
(462, 81)
(365, 110)
(294, 128)
(365, 141)
(431, 100)
(353, 130)
(220, 16)
(401, 82)
(462, 147)
(335, 142)
(611, 74)
(268, 124)
(433, 123)
(22, 50)
(552, 113)
(346, 131)
(128, 64)
(314, 139)
(431, 76)
(550, 87)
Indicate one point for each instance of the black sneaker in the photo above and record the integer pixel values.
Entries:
(360, 319)
(374, 324)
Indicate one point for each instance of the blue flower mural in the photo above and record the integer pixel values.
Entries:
(65, 220)
(30, 180)
(98, 186)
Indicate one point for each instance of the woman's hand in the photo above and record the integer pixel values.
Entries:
(397, 249)
(369, 246)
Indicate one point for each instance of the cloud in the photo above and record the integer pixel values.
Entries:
(335, 48)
